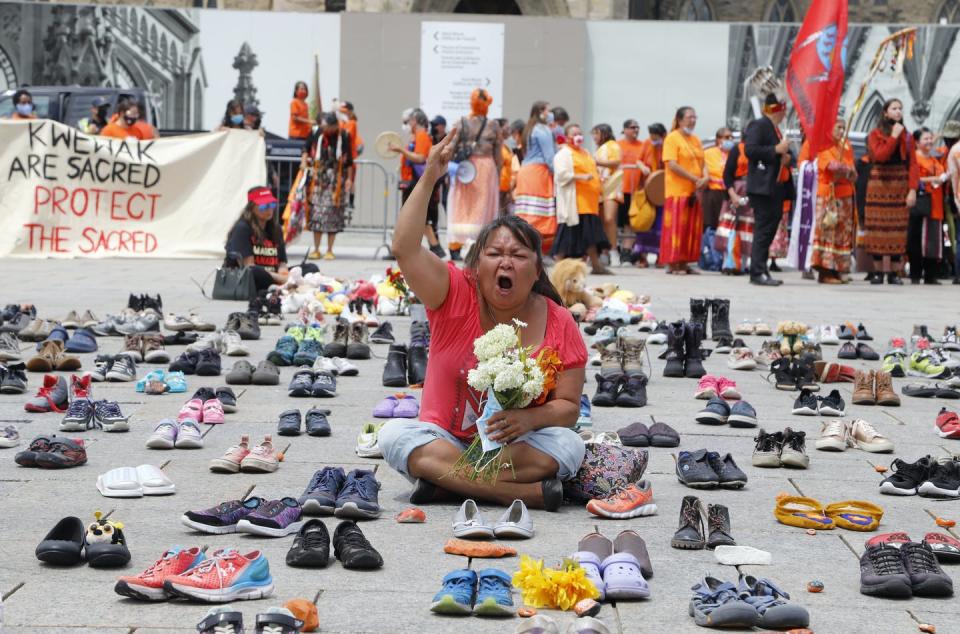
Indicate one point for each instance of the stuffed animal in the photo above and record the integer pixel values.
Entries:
(569, 276)
(103, 531)
(792, 335)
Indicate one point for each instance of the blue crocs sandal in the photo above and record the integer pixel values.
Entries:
(152, 375)
(177, 382)
(83, 340)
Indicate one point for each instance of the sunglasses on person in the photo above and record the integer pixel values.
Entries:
(268, 206)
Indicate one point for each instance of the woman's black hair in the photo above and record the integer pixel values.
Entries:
(272, 230)
(605, 132)
(882, 122)
(657, 128)
(529, 237)
(233, 104)
(20, 93)
(297, 85)
(329, 118)
(919, 133)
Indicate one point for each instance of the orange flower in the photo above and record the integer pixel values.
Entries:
(551, 366)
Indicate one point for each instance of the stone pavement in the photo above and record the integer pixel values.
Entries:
(396, 598)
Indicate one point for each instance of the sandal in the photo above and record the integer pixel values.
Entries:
(623, 579)
(591, 566)
(802, 512)
(919, 390)
(944, 391)
(176, 382)
(855, 515)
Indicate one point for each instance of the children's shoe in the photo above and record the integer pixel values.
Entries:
(316, 423)
(212, 412)
(284, 351)
(191, 410)
(707, 388)
(148, 585)
(494, 594)
(948, 424)
(222, 519)
(635, 500)
(9, 437)
(109, 417)
(150, 377)
(311, 546)
(359, 496)
(81, 387)
(176, 382)
(368, 445)
(276, 518)
(164, 435)
(189, 436)
(922, 364)
(105, 545)
(727, 389)
(227, 576)
(262, 458)
(456, 594)
(28, 457)
(62, 454)
(53, 396)
(79, 416)
(233, 458)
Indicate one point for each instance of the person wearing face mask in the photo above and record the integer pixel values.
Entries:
(647, 243)
(891, 191)
(125, 125)
(716, 158)
(300, 125)
(23, 106)
(136, 112)
(413, 160)
(534, 193)
(330, 155)
(232, 116)
(473, 204)
(579, 229)
(768, 177)
(925, 226)
(685, 176)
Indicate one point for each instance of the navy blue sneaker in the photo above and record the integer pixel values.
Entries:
(58, 333)
(716, 412)
(742, 414)
(455, 597)
(324, 385)
(83, 340)
(320, 496)
(301, 384)
(358, 497)
(694, 471)
(284, 351)
(494, 595)
(316, 423)
(308, 352)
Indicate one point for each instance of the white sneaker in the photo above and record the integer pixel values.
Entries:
(941, 357)
(188, 436)
(741, 359)
(325, 364)
(648, 325)
(233, 345)
(869, 439)
(828, 335)
(177, 323)
(834, 436)
(344, 367)
(212, 341)
(368, 445)
(164, 435)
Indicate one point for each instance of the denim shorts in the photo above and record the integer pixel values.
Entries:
(400, 436)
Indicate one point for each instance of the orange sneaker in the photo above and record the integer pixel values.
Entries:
(148, 586)
(636, 500)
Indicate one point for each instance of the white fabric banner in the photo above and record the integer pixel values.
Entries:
(68, 194)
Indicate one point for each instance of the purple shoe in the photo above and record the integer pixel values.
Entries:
(223, 518)
(591, 565)
(276, 518)
(623, 579)
(407, 407)
(386, 407)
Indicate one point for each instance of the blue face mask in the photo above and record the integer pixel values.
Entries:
(25, 109)
(550, 118)
(236, 119)
(726, 145)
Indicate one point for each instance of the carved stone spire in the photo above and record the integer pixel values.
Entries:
(245, 62)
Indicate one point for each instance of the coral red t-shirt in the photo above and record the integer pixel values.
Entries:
(448, 401)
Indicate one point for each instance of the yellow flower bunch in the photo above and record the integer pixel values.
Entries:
(559, 588)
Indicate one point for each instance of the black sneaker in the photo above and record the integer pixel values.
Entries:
(607, 389)
(724, 345)
(804, 374)
(783, 376)
(123, 369)
(14, 379)
(289, 424)
(728, 473)
(227, 399)
(831, 405)
(906, 476)
(186, 362)
(927, 578)
(316, 422)
(204, 394)
(301, 384)
(633, 391)
(694, 471)
(882, 573)
(383, 333)
(438, 251)
(806, 404)
(324, 385)
(943, 480)
(180, 338)
(395, 369)
(208, 362)
(311, 546)
(352, 548)
(766, 451)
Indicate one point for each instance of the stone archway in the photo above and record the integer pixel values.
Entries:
(526, 7)
(8, 74)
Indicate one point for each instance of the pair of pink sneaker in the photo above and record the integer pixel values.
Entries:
(210, 412)
(712, 386)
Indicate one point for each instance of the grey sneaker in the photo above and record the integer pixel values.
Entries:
(694, 471)
(768, 599)
(742, 414)
(10, 347)
(53, 396)
(729, 474)
(469, 523)
(148, 322)
(717, 603)
(766, 452)
(14, 380)
(79, 416)
(109, 416)
(320, 496)
(123, 369)
(927, 578)
(794, 453)
(882, 573)
(716, 412)
(358, 498)
(289, 424)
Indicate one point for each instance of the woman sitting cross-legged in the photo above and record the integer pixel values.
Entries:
(503, 279)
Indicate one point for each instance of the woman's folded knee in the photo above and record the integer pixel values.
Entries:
(563, 445)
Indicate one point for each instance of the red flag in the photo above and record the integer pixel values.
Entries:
(815, 71)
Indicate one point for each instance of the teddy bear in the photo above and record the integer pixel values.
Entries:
(103, 531)
(568, 276)
(791, 335)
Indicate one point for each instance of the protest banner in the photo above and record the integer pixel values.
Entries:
(68, 194)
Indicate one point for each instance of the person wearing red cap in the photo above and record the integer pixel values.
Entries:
(257, 240)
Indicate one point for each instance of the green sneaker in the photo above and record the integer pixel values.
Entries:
(316, 333)
(297, 332)
(922, 365)
(894, 364)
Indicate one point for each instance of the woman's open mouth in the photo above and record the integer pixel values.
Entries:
(504, 283)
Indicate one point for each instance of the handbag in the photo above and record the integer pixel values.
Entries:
(606, 468)
(642, 214)
(924, 205)
(234, 281)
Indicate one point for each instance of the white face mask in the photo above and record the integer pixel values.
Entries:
(406, 128)
(577, 140)
(688, 130)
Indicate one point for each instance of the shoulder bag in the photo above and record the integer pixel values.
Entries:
(924, 205)
(606, 469)
(464, 147)
(234, 281)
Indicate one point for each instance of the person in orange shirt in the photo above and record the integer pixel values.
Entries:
(608, 160)
(686, 175)
(579, 230)
(145, 131)
(647, 243)
(348, 121)
(413, 159)
(834, 223)
(716, 159)
(23, 107)
(506, 169)
(125, 125)
(300, 123)
(925, 226)
(634, 171)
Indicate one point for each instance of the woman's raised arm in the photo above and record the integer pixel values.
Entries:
(425, 273)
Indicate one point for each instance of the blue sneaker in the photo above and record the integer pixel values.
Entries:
(83, 340)
(584, 420)
(308, 352)
(177, 382)
(456, 594)
(742, 414)
(226, 576)
(358, 497)
(58, 333)
(494, 594)
(716, 412)
(320, 496)
(284, 351)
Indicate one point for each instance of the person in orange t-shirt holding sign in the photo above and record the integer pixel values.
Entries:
(686, 174)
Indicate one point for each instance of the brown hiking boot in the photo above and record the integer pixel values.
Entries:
(610, 362)
(632, 348)
(133, 347)
(884, 392)
(863, 393)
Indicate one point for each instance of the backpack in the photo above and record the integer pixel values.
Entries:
(710, 258)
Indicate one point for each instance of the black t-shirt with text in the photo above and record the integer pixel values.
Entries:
(266, 252)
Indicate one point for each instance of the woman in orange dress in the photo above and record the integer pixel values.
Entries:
(685, 175)
(834, 224)
(579, 230)
(925, 227)
(300, 124)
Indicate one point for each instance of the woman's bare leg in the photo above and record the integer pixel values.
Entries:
(331, 237)
(610, 208)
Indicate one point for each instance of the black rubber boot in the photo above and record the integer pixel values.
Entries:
(417, 365)
(395, 370)
(676, 334)
(720, 322)
(693, 360)
(718, 521)
(690, 534)
(699, 309)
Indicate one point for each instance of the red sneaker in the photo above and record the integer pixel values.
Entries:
(948, 424)
(80, 387)
(890, 539)
(636, 500)
(707, 387)
(945, 547)
(148, 585)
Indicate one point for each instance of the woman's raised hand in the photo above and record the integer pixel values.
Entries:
(440, 155)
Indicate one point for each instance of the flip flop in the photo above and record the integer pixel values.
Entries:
(153, 481)
(855, 515)
(591, 566)
(120, 483)
(802, 512)
(918, 390)
(623, 579)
